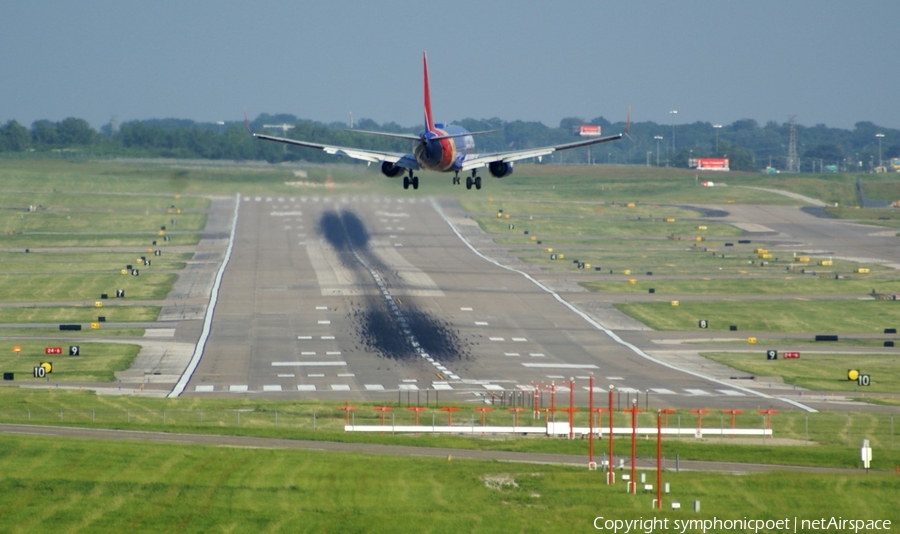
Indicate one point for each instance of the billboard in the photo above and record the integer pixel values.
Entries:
(588, 130)
(709, 164)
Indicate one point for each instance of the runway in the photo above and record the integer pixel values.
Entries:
(375, 298)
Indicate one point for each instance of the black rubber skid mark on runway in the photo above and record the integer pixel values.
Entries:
(438, 340)
(332, 226)
(378, 328)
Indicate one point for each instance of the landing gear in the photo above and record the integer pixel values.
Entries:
(473, 180)
(456, 178)
(478, 182)
(410, 180)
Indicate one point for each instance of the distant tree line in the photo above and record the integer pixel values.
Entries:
(748, 145)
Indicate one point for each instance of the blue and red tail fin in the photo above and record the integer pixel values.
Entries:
(429, 121)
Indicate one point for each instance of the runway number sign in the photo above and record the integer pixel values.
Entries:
(74, 350)
(43, 369)
(703, 323)
(771, 354)
(790, 355)
(863, 380)
(53, 350)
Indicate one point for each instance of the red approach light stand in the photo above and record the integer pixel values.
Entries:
(591, 464)
(733, 413)
(659, 460)
(610, 476)
(634, 411)
(347, 408)
(416, 409)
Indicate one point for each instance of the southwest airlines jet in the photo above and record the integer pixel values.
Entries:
(439, 148)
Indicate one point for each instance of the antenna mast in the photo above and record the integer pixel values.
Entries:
(793, 162)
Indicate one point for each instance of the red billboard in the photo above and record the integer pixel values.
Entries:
(710, 164)
(589, 130)
(790, 355)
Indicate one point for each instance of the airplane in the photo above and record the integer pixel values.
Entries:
(439, 148)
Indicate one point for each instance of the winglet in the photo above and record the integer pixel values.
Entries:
(628, 121)
(429, 121)
(247, 122)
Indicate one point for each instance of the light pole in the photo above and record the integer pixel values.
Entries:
(717, 127)
(880, 136)
(673, 113)
(658, 139)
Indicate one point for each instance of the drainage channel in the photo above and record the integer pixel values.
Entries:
(395, 310)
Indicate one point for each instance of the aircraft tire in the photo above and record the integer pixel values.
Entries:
(415, 182)
(468, 182)
(478, 182)
(406, 182)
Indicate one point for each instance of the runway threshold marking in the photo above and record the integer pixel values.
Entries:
(306, 387)
(698, 392)
(204, 389)
(662, 391)
(560, 365)
(309, 364)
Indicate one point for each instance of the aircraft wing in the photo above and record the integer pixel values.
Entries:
(480, 160)
(407, 161)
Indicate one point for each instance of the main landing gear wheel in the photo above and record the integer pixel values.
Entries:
(406, 182)
(468, 182)
(478, 182)
(415, 182)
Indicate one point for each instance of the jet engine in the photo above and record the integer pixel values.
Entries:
(499, 169)
(390, 170)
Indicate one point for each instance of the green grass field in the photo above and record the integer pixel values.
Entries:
(83, 314)
(97, 362)
(813, 316)
(86, 262)
(786, 285)
(84, 287)
(820, 372)
(109, 486)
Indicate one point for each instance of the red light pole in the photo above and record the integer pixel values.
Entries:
(768, 413)
(733, 413)
(516, 412)
(449, 410)
(659, 460)
(610, 477)
(383, 409)
(416, 409)
(571, 406)
(483, 410)
(591, 464)
(699, 419)
(553, 400)
(634, 411)
(667, 411)
(347, 408)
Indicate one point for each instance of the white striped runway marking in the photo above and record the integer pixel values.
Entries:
(204, 389)
(536, 354)
(441, 386)
(308, 353)
(698, 392)
(492, 387)
(662, 391)
(374, 387)
(409, 380)
(510, 353)
(326, 321)
(321, 307)
(286, 375)
(327, 337)
(340, 387)
(275, 387)
(309, 364)
(496, 339)
(318, 375)
(333, 353)
(629, 390)
(409, 387)
(345, 375)
(238, 388)
(560, 365)
(465, 309)
(304, 337)
(480, 323)
(614, 378)
(306, 387)
(519, 339)
(731, 392)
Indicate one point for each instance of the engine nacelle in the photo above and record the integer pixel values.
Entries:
(390, 170)
(499, 169)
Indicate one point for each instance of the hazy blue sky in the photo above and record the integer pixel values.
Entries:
(825, 61)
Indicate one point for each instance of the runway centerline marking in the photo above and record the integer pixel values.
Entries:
(559, 365)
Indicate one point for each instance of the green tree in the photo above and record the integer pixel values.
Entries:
(14, 137)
